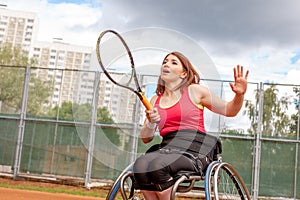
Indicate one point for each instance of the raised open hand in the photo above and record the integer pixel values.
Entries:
(240, 81)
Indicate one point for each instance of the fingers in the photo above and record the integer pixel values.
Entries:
(234, 73)
(239, 72)
(153, 115)
(232, 86)
(246, 75)
(240, 80)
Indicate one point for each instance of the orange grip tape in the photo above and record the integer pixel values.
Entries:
(145, 102)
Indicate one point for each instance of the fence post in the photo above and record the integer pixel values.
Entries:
(56, 123)
(92, 132)
(19, 145)
(135, 135)
(297, 149)
(257, 149)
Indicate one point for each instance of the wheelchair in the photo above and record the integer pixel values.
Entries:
(220, 181)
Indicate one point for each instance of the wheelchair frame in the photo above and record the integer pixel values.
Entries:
(221, 181)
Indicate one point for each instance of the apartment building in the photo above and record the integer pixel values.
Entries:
(119, 101)
(70, 67)
(67, 65)
(18, 28)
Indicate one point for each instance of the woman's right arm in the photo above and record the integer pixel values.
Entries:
(150, 124)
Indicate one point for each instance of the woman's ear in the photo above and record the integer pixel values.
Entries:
(183, 75)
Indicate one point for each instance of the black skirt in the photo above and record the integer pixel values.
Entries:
(195, 142)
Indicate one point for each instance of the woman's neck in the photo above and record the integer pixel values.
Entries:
(170, 98)
(172, 88)
(172, 92)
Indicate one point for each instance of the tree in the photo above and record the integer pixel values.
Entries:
(103, 115)
(80, 112)
(252, 112)
(72, 111)
(295, 117)
(13, 61)
(232, 131)
(14, 56)
(275, 121)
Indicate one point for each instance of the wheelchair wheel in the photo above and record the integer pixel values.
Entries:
(228, 184)
(123, 185)
(127, 190)
(112, 194)
(209, 178)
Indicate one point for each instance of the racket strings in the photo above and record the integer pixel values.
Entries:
(114, 56)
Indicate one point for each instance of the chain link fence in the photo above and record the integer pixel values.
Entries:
(261, 142)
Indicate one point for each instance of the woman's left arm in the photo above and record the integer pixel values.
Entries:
(239, 87)
(218, 105)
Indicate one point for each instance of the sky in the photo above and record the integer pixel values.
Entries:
(263, 36)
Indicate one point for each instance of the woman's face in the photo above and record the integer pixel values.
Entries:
(172, 69)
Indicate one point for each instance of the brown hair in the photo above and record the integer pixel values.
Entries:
(192, 74)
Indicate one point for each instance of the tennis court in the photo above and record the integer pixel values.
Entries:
(8, 194)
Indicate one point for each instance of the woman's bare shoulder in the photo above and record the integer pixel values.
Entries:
(198, 88)
(153, 99)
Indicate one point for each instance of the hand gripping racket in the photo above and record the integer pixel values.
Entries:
(114, 55)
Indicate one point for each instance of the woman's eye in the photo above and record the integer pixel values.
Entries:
(174, 63)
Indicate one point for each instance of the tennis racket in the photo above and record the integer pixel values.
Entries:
(114, 56)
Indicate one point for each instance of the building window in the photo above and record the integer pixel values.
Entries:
(21, 20)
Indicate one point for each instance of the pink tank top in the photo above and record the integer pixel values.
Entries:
(184, 115)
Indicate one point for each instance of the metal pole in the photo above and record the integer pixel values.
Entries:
(56, 124)
(297, 149)
(134, 143)
(92, 131)
(135, 120)
(219, 116)
(258, 143)
(21, 129)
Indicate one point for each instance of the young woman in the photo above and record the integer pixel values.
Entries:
(178, 113)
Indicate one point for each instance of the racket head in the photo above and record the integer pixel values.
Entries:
(115, 57)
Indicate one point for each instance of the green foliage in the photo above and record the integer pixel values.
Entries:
(252, 114)
(14, 56)
(72, 111)
(80, 112)
(295, 117)
(38, 96)
(275, 120)
(12, 83)
(232, 131)
(103, 115)
(11, 86)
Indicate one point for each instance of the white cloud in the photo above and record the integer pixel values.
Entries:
(293, 76)
(74, 23)
(69, 21)
(273, 64)
(266, 64)
(263, 37)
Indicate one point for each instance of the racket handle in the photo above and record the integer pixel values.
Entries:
(145, 101)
